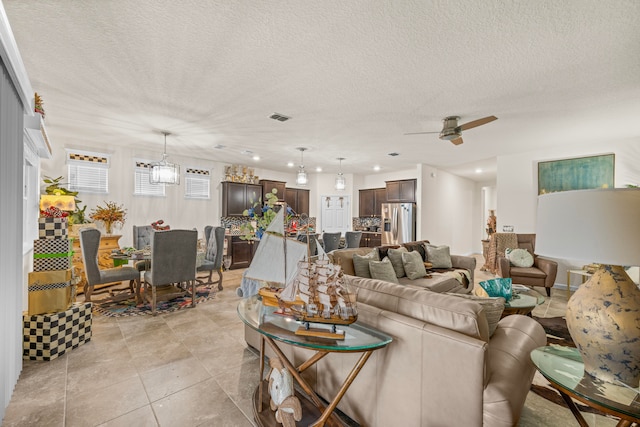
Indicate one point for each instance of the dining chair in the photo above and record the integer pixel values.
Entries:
(142, 235)
(312, 244)
(353, 238)
(331, 241)
(173, 261)
(89, 245)
(214, 238)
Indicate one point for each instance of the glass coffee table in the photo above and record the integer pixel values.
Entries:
(564, 369)
(276, 327)
(524, 300)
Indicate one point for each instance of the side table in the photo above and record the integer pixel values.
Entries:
(582, 273)
(275, 327)
(564, 369)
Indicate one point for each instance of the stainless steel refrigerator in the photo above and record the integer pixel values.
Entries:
(398, 223)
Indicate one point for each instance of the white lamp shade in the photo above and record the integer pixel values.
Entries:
(301, 178)
(341, 183)
(164, 173)
(601, 226)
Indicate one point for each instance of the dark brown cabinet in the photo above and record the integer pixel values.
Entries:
(371, 240)
(298, 200)
(236, 197)
(242, 252)
(401, 191)
(371, 201)
(269, 185)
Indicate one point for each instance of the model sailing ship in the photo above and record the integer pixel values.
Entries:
(313, 291)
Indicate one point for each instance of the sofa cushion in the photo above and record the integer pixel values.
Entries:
(458, 314)
(413, 265)
(439, 256)
(519, 257)
(395, 256)
(493, 308)
(344, 258)
(417, 247)
(383, 270)
(361, 263)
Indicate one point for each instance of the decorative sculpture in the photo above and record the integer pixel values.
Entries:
(283, 400)
(491, 223)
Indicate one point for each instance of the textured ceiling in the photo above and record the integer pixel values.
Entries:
(353, 75)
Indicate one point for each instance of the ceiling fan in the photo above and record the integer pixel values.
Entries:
(451, 131)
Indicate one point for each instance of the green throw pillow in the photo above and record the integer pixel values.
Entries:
(493, 308)
(395, 256)
(383, 270)
(439, 256)
(361, 263)
(413, 265)
(519, 257)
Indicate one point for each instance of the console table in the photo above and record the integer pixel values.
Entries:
(274, 327)
(564, 369)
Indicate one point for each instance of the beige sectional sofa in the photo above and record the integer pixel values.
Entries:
(442, 368)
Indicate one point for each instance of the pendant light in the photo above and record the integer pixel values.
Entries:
(301, 178)
(163, 172)
(341, 183)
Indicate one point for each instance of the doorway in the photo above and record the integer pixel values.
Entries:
(335, 214)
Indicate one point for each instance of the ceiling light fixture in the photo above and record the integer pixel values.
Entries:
(376, 168)
(301, 178)
(290, 164)
(163, 172)
(341, 183)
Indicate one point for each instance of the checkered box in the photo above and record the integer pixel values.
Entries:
(52, 254)
(52, 228)
(48, 336)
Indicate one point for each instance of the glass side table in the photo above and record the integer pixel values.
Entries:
(275, 327)
(564, 369)
(523, 301)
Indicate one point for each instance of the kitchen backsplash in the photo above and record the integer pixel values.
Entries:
(233, 223)
(365, 223)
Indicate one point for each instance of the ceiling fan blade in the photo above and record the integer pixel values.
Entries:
(457, 141)
(419, 133)
(478, 122)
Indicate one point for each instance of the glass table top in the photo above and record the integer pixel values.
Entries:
(266, 321)
(523, 298)
(563, 366)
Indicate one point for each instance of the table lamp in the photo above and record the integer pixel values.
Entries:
(603, 315)
(64, 203)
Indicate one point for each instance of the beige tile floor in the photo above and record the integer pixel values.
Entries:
(188, 368)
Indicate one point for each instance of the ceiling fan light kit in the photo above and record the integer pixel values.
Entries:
(452, 132)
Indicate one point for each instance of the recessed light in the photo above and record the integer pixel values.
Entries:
(256, 158)
(318, 169)
(478, 170)
(376, 168)
(290, 164)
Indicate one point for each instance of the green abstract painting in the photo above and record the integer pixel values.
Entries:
(576, 174)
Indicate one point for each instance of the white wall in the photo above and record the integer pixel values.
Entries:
(518, 189)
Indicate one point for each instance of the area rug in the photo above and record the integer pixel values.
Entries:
(557, 334)
(129, 307)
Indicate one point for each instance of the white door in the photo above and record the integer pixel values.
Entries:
(335, 214)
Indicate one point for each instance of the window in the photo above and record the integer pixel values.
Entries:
(88, 172)
(142, 185)
(197, 184)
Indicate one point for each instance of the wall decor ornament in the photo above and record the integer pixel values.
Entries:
(582, 173)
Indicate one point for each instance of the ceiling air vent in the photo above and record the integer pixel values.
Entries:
(279, 117)
(394, 154)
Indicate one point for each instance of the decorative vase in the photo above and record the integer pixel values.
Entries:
(108, 226)
(603, 318)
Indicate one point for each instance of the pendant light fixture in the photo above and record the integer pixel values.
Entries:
(341, 183)
(301, 178)
(163, 172)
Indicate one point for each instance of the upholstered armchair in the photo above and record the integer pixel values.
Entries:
(142, 235)
(542, 273)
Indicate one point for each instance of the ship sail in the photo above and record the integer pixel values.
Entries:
(268, 264)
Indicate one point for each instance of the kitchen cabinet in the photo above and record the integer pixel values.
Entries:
(371, 201)
(370, 240)
(401, 191)
(298, 200)
(269, 185)
(242, 252)
(236, 197)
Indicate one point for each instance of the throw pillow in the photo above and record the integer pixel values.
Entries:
(361, 263)
(493, 308)
(395, 256)
(383, 270)
(439, 256)
(413, 265)
(519, 257)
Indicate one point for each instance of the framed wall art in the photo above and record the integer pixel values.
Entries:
(581, 173)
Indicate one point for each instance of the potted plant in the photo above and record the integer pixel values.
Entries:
(111, 214)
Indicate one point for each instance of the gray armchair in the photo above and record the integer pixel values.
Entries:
(173, 256)
(353, 238)
(142, 235)
(331, 241)
(542, 273)
(89, 245)
(214, 237)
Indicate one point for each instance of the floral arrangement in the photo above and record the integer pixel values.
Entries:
(38, 105)
(110, 215)
(260, 216)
